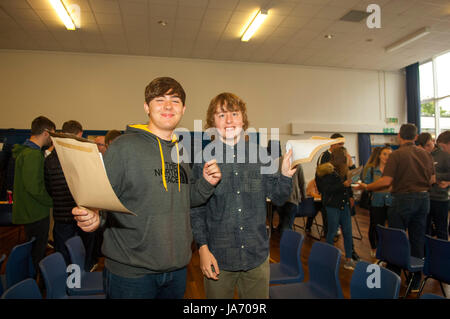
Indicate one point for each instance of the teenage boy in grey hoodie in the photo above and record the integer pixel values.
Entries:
(146, 255)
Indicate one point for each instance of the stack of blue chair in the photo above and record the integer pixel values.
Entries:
(437, 262)
(394, 248)
(53, 269)
(388, 286)
(19, 265)
(25, 289)
(91, 282)
(323, 265)
(290, 269)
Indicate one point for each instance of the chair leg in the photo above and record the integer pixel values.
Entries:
(360, 236)
(442, 289)
(422, 286)
(410, 280)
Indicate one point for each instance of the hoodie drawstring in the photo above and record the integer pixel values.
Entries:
(163, 166)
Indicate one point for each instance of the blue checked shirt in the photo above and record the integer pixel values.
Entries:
(233, 222)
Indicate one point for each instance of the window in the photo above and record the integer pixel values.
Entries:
(435, 94)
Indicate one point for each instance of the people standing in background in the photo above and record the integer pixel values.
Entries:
(425, 142)
(32, 203)
(100, 141)
(437, 219)
(65, 226)
(381, 200)
(334, 186)
(411, 173)
(111, 136)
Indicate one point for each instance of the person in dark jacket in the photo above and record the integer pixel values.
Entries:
(65, 226)
(438, 216)
(334, 186)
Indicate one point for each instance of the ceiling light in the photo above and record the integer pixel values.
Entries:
(63, 14)
(162, 22)
(254, 25)
(329, 36)
(408, 39)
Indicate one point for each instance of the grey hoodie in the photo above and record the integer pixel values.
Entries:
(159, 238)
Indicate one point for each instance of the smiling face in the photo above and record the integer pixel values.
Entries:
(384, 155)
(229, 124)
(165, 112)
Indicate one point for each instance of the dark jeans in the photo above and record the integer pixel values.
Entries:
(378, 216)
(64, 231)
(439, 218)
(39, 230)
(409, 212)
(343, 218)
(168, 285)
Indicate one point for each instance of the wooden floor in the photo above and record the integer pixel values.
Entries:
(10, 236)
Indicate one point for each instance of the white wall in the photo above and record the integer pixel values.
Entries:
(107, 92)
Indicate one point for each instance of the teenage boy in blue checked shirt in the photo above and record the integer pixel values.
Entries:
(230, 229)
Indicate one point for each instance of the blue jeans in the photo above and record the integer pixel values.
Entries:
(439, 218)
(409, 212)
(338, 217)
(168, 285)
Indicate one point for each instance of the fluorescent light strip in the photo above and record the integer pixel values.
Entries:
(408, 39)
(63, 14)
(254, 25)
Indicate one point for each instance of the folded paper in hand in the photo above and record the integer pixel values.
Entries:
(303, 151)
(85, 173)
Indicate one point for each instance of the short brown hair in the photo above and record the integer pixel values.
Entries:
(111, 136)
(227, 102)
(164, 85)
(443, 138)
(408, 131)
(40, 124)
(72, 127)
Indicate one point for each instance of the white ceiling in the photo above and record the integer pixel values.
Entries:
(211, 29)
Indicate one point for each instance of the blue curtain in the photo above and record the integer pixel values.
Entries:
(364, 148)
(413, 94)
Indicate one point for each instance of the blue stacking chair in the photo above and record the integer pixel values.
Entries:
(307, 209)
(53, 269)
(289, 269)
(19, 265)
(323, 265)
(389, 283)
(2, 259)
(91, 282)
(437, 262)
(394, 248)
(25, 289)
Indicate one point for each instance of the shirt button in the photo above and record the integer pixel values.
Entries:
(242, 228)
(236, 173)
(242, 246)
(239, 210)
(238, 192)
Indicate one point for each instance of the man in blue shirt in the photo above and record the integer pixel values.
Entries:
(230, 229)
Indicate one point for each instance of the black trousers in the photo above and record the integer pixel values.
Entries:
(39, 230)
(378, 216)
